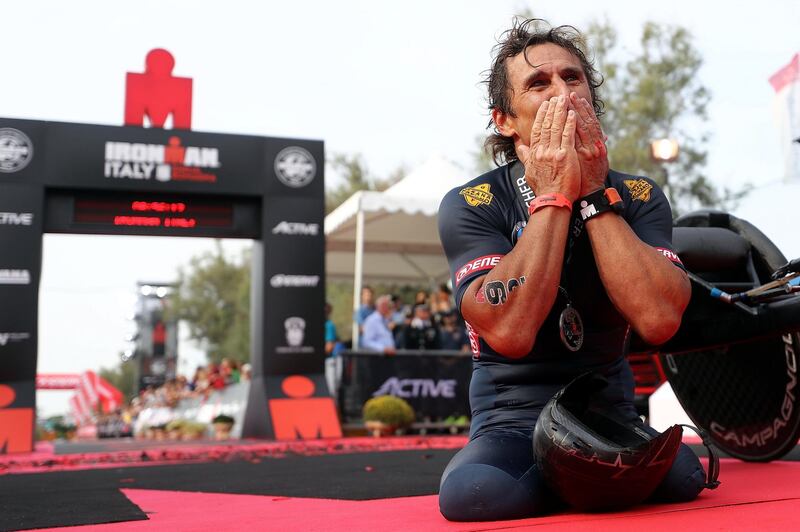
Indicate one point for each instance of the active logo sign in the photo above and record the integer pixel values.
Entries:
(16, 218)
(296, 228)
(418, 388)
(16, 150)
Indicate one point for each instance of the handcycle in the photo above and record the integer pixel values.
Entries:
(733, 364)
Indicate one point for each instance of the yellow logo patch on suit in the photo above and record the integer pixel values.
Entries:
(640, 189)
(477, 195)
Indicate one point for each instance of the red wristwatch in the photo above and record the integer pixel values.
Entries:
(549, 200)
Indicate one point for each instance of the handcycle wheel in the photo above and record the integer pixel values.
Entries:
(745, 395)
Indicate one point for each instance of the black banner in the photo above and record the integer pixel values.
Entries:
(435, 385)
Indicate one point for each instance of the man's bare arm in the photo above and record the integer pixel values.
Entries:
(647, 289)
(508, 306)
(508, 320)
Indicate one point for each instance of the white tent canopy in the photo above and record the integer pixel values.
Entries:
(392, 236)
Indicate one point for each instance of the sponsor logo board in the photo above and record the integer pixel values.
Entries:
(161, 162)
(295, 334)
(10, 337)
(408, 388)
(16, 150)
(296, 228)
(16, 218)
(9, 276)
(295, 167)
(282, 280)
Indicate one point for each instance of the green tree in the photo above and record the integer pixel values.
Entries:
(657, 93)
(213, 295)
(123, 377)
(356, 177)
(213, 298)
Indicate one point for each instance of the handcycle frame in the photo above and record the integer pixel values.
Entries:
(733, 362)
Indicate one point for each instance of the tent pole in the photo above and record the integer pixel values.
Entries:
(358, 272)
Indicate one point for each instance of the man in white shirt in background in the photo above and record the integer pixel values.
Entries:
(377, 336)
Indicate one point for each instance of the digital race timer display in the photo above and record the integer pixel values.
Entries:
(143, 212)
(130, 213)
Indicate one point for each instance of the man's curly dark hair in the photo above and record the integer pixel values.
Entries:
(517, 39)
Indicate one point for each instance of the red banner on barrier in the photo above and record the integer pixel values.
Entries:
(57, 381)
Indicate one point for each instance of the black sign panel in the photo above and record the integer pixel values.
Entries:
(294, 246)
(131, 158)
(20, 264)
(436, 386)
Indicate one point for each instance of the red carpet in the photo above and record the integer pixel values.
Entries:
(751, 497)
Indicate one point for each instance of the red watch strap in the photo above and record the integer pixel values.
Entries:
(549, 200)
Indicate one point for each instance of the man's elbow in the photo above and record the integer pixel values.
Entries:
(657, 328)
(512, 343)
(656, 325)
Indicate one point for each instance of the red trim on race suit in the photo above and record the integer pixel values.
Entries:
(487, 262)
(671, 255)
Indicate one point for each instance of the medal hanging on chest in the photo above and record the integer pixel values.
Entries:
(570, 325)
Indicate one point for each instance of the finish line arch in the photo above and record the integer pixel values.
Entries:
(58, 177)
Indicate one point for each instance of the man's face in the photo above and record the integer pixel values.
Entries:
(384, 307)
(555, 72)
(366, 296)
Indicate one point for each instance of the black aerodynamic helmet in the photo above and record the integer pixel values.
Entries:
(593, 460)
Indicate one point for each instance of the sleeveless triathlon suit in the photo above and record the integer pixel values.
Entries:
(494, 476)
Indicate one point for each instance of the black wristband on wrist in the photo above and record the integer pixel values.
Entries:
(598, 202)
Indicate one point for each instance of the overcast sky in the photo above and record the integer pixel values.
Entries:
(394, 81)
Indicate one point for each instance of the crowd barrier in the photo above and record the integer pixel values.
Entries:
(435, 383)
(230, 401)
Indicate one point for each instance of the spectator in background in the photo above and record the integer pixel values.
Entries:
(367, 307)
(331, 335)
(376, 333)
(201, 381)
(228, 371)
(398, 320)
(421, 298)
(441, 303)
(247, 372)
(215, 377)
(454, 336)
(422, 333)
